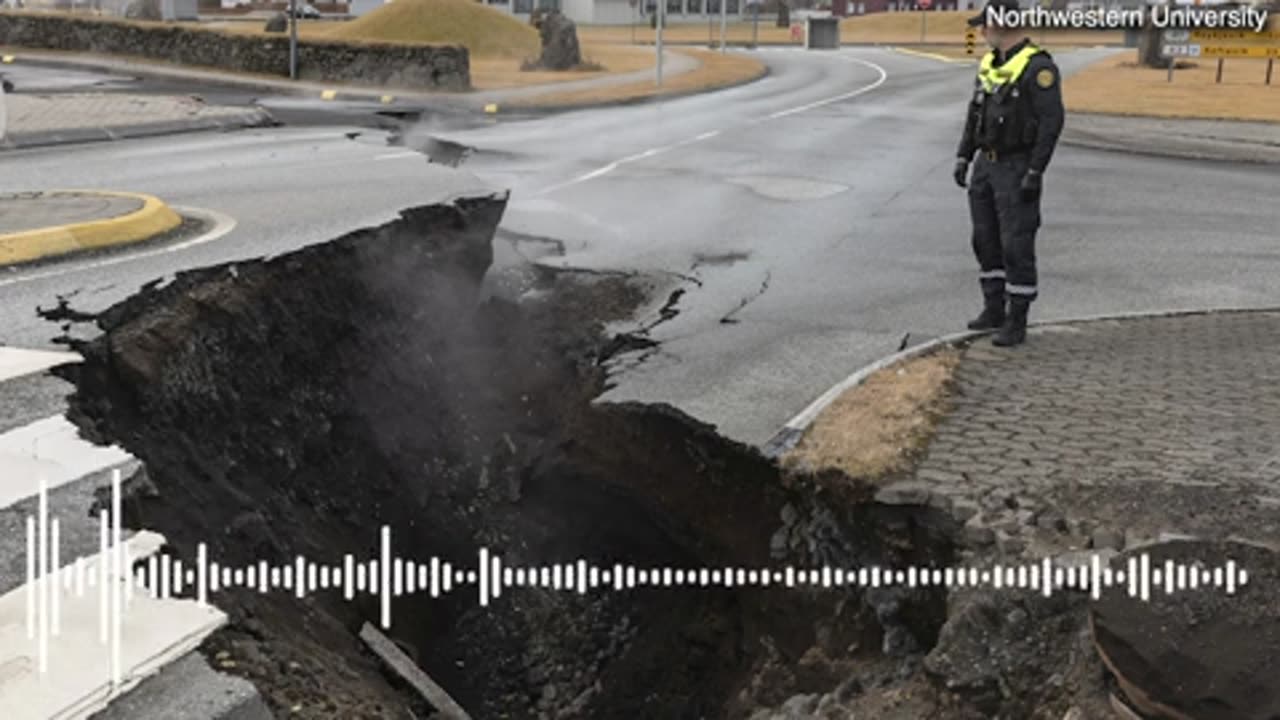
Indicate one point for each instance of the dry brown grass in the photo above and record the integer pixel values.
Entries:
(874, 429)
(690, 34)
(309, 29)
(717, 70)
(494, 73)
(885, 28)
(484, 31)
(1115, 85)
(949, 27)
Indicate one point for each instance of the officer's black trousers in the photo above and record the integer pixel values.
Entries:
(1004, 228)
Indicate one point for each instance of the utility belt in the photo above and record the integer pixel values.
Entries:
(999, 155)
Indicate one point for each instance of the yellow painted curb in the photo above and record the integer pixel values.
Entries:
(152, 219)
(7, 59)
(328, 94)
(933, 56)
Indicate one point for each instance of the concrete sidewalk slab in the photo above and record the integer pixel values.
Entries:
(40, 225)
(36, 120)
(186, 688)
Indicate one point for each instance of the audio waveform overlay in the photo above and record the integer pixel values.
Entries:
(116, 576)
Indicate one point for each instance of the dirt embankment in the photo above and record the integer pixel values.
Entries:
(292, 406)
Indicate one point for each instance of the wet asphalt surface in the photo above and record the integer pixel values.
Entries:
(810, 217)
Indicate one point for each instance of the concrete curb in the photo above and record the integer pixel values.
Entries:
(1184, 145)
(935, 56)
(538, 110)
(790, 433)
(256, 117)
(1155, 149)
(152, 219)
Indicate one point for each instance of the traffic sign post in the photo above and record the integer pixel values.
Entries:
(1221, 44)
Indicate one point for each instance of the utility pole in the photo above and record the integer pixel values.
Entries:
(755, 27)
(293, 39)
(662, 16)
(724, 22)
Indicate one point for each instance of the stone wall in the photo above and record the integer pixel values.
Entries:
(414, 67)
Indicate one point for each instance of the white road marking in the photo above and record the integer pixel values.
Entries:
(605, 170)
(17, 362)
(222, 225)
(846, 96)
(400, 155)
(53, 448)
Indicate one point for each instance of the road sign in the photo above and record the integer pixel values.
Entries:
(1234, 37)
(1176, 37)
(924, 4)
(1239, 51)
(1176, 51)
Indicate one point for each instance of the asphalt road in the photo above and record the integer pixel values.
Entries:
(811, 217)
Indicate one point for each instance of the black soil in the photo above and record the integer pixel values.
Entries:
(292, 406)
(1199, 653)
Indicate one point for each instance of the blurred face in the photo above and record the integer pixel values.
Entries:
(999, 38)
(991, 35)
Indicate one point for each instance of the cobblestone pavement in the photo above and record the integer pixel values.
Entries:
(35, 210)
(1110, 433)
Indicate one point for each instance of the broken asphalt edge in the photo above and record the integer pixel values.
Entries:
(152, 219)
(789, 435)
(251, 118)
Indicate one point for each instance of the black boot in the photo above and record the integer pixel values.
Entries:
(1014, 331)
(992, 315)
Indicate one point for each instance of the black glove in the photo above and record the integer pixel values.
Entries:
(1032, 183)
(962, 172)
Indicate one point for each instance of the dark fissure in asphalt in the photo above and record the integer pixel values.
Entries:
(292, 406)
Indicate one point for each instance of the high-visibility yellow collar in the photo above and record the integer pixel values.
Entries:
(993, 77)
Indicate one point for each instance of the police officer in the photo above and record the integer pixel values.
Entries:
(1013, 122)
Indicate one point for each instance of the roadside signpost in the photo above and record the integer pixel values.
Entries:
(1221, 44)
(293, 39)
(662, 16)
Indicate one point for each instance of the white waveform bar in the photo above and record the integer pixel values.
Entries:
(389, 577)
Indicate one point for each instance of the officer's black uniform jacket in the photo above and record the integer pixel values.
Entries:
(1034, 117)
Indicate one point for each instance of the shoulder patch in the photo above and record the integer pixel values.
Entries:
(1046, 78)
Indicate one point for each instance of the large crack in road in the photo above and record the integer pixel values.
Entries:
(293, 405)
